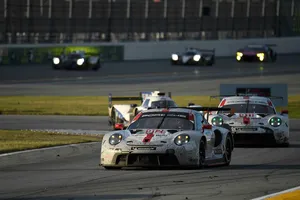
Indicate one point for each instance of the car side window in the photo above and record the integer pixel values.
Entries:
(146, 103)
(199, 121)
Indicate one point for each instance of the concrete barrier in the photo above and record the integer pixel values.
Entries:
(224, 48)
(162, 49)
(47, 154)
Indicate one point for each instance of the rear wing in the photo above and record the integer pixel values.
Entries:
(142, 96)
(277, 92)
(121, 98)
(201, 50)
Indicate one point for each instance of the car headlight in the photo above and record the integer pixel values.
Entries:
(261, 56)
(80, 61)
(182, 139)
(239, 54)
(196, 58)
(56, 61)
(217, 121)
(174, 57)
(275, 121)
(115, 139)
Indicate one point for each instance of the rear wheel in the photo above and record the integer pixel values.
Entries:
(228, 151)
(201, 154)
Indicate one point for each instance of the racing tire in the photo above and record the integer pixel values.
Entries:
(112, 168)
(228, 151)
(202, 156)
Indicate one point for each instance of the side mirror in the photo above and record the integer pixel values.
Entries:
(119, 126)
(207, 126)
(284, 112)
(133, 105)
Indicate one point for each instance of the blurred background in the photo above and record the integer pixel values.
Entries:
(78, 21)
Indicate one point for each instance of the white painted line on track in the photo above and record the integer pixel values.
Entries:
(278, 193)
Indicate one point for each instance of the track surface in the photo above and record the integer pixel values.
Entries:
(254, 171)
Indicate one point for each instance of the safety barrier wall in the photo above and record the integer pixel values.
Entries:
(41, 54)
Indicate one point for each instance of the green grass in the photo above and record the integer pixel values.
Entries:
(95, 105)
(18, 140)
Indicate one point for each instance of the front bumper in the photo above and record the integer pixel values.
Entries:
(151, 158)
(248, 58)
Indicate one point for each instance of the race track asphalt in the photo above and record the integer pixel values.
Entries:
(254, 171)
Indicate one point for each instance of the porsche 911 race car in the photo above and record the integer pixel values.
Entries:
(77, 60)
(256, 52)
(120, 115)
(253, 120)
(168, 137)
(193, 56)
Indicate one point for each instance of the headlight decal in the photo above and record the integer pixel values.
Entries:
(217, 121)
(275, 121)
(115, 139)
(182, 139)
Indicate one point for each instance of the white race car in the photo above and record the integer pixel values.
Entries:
(167, 137)
(120, 115)
(254, 120)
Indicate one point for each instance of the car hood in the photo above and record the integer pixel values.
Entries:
(151, 136)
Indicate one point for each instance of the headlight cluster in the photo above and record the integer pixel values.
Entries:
(115, 139)
(275, 121)
(56, 61)
(182, 139)
(174, 57)
(261, 56)
(239, 55)
(196, 58)
(217, 121)
(80, 61)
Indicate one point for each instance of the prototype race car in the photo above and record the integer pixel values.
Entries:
(256, 52)
(193, 56)
(168, 137)
(254, 120)
(120, 115)
(77, 60)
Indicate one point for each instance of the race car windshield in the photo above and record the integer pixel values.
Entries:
(252, 108)
(155, 120)
(190, 53)
(74, 56)
(162, 104)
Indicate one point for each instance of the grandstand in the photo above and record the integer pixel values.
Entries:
(77, 21)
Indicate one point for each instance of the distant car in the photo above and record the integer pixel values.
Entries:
(193, 56)
(253, 120)
(120, 115)
(257, 52)
(77, 60)
(169, 137)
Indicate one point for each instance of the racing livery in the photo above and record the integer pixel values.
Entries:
(256, 52)
(120, 115)
(77, 60)
(253, 120)
(193, 56)
(168, 137)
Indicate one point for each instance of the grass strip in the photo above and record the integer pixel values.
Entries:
(18, 140)
(96, 105)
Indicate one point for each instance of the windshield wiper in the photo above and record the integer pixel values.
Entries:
(162, 120)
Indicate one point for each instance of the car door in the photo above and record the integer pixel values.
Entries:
(208, 133)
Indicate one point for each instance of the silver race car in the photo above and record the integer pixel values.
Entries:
(254, 120)
(120, 115)
(168, 137)
(193, 56)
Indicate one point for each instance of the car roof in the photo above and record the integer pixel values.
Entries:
(157, 98)
(183, 110)
(243, 99)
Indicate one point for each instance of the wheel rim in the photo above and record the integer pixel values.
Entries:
(228, 150)
(201, 154)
